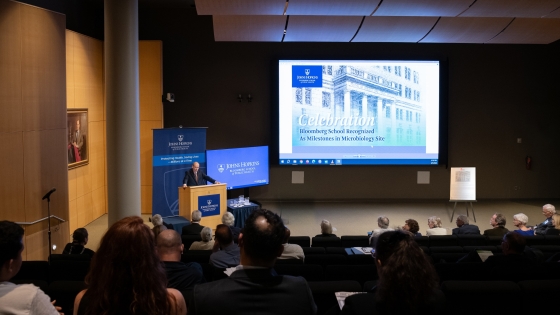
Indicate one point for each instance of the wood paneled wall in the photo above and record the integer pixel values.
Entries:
(151, 111)
(85, 89)
(33, 122)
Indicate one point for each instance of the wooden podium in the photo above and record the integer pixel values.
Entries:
(188, 202)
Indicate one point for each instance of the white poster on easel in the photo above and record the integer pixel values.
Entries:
(463, 183)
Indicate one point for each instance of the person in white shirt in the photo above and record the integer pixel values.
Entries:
(23, 298)
(434, 224)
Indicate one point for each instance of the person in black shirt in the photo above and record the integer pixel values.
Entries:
(79, 241)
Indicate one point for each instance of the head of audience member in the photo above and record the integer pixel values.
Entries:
(434, 222)
(326, 227)
(158, 229)
(11, 247)
(224, 236)
(513, 243)
(403, 267)
(157, 220)
(196, 216)
(462, 220)
(169, 246)
(228, 219)
(206, 234)
(128, 250)
(80, 236)
(411, 226)
(383, 222)
(520, 220)
(556, 221)
(287, 236)
(548, 210)
(261, 239)
(498, 220)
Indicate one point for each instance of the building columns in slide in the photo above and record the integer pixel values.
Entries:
(122, 108)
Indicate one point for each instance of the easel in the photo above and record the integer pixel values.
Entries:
(467, 202)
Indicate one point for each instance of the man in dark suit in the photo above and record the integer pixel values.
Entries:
(513, 248)
(548, 211)
(194, 228)
(498, 223)
(196, 177)
(463, 226)
(254, 287)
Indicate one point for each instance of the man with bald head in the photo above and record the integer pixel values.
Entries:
(180, 276)
(196, 177)
(254, 287)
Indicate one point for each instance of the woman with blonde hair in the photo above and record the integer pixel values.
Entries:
(127, 277)
(555, 230)
(434, 224)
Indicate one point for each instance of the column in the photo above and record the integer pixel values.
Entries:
(122, 107)
(347, 103)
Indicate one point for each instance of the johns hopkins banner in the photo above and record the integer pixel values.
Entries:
(175, 150)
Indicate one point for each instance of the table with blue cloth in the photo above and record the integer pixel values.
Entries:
(241, 213)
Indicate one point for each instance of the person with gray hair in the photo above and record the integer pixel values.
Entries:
(207, 242)
(326, 229)
(228, 219)
(383, 224)
(520, 221)
(434, 224)
(463, 226)
(157, 220)
(194, 228)
(498, 223)
(548, 211)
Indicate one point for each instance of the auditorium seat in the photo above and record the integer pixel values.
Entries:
(494, 240)
(314, 251)
(307, 271)
(325, 242)
(37, 270)
(461, 271)
(324, 293)
(446, 249)
(493, 249)
(547, 250)
(289, 262)
(303, 241)
(68, 270)
(336, 250)
(443, 240)
(189, 239)
(535, 240)
(537, 293)
(471, 240)
(326, 259)
(552, 240)
(360, 273)
(64, 292)
(422, 240)
(354, 241)
(199, 256)
(360, 259)
(59, 257)
(482, 297)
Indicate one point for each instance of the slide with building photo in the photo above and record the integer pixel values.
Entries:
(358, 112)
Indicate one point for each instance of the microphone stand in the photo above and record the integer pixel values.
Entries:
(48, 197)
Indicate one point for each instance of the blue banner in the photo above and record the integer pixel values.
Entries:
(174, 152)
(209, 205)
(307, 76)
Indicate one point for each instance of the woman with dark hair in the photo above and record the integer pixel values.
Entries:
(407, 284)
(412, 226)
(79, 241)
(127, 277)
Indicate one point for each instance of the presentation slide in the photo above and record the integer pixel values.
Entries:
(358, 112)
(239, 167)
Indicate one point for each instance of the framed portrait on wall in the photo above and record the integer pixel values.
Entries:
(77, 134)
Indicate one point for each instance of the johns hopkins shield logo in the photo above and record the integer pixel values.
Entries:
(307, 71)
(180, 138)
(209, 201)
(221, 168)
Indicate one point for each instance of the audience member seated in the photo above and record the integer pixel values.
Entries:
(383, 224)
(181, 276)
(555, 230)
(291, 251)
(408, 282)
(226, 252)
(158, 225)
(194, 228)
(207, 242)
(412, 227)
(79, 241)
(520, 221)
(326, 229)
(513, 247)
(126, 275)
(254, 287)
(463, 226)
(228, 219)
(23, 298)
(498, 223)
(434, 224)
(548, 211)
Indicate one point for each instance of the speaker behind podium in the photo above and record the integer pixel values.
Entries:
(211, 200)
